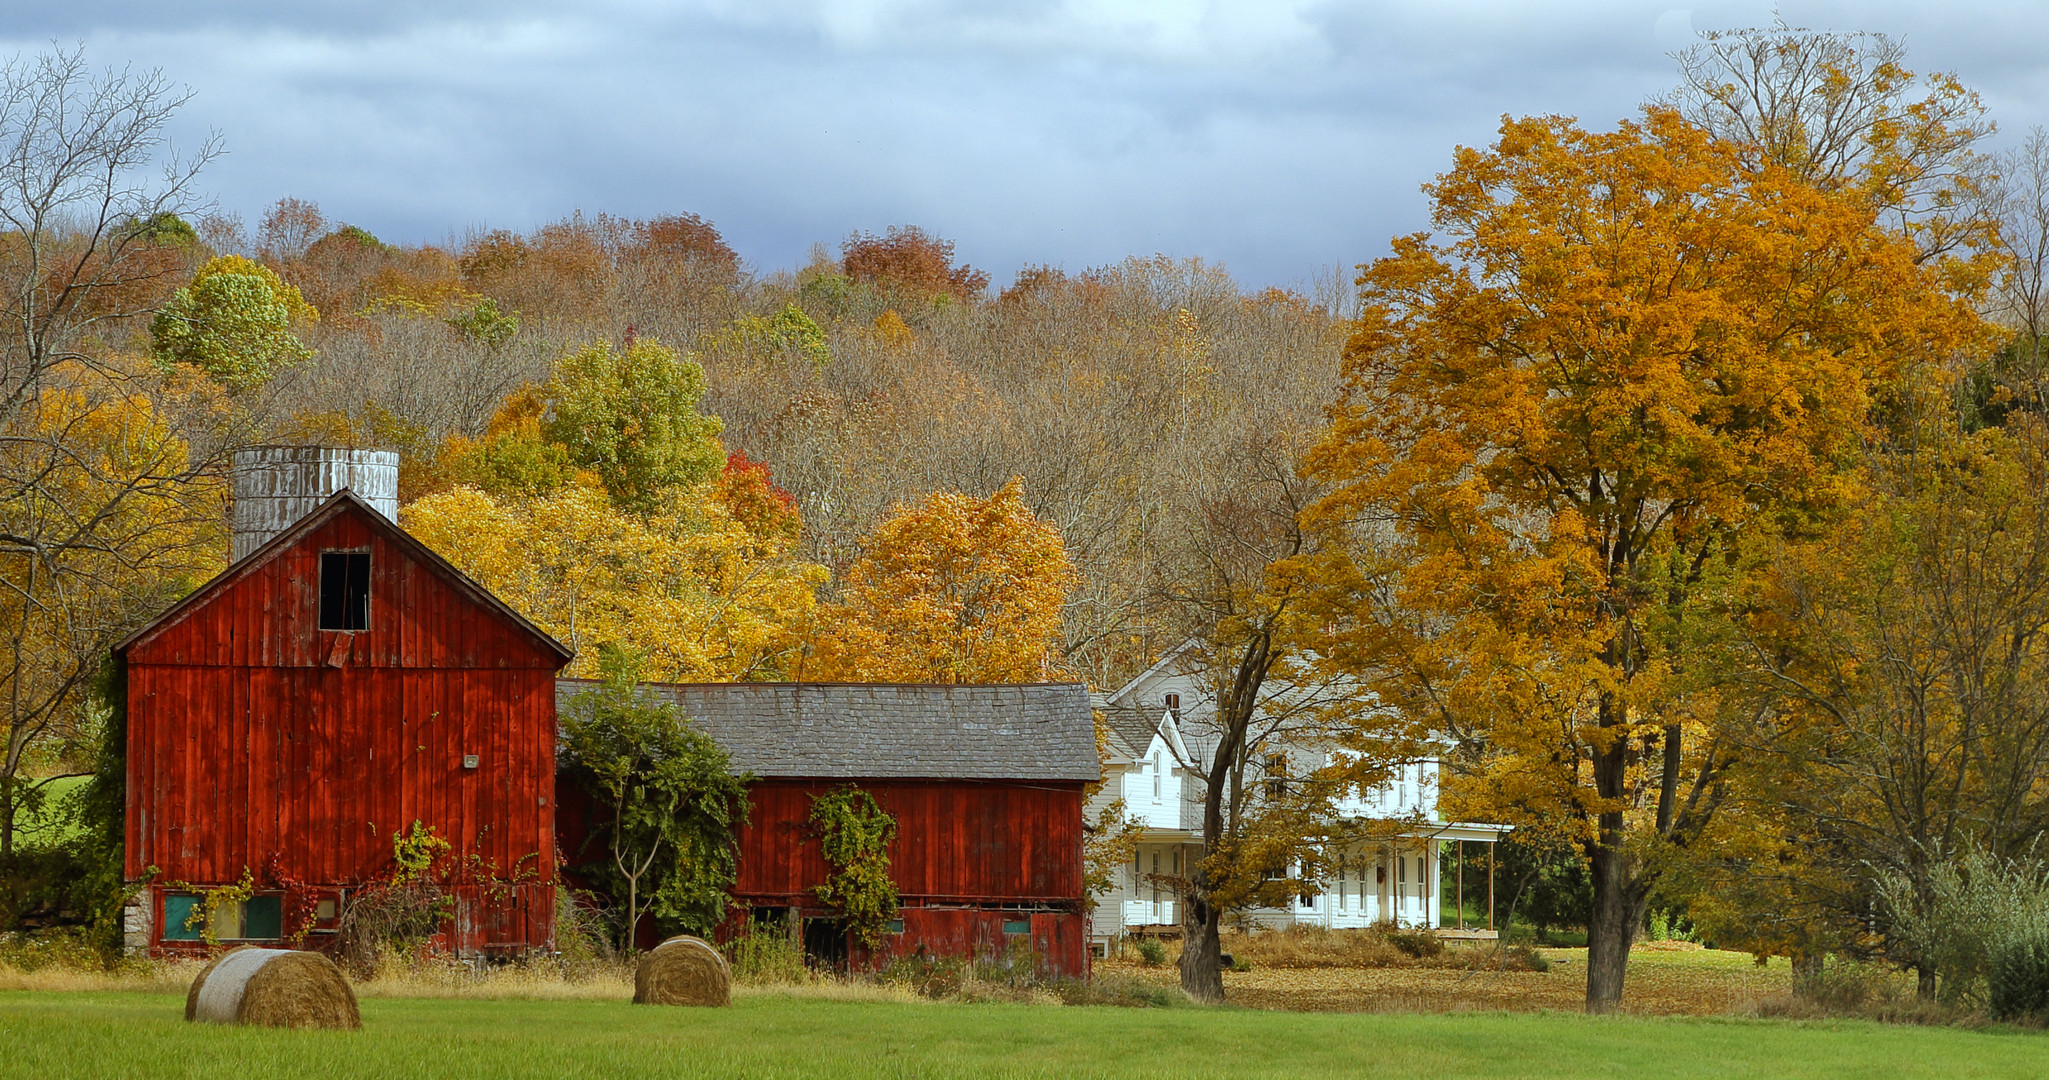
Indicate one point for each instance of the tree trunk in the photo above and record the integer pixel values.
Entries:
(1202, 968)
(1924, 982)
(7, 815)
(1807, 969)
(1618, 909)
(1619, 897)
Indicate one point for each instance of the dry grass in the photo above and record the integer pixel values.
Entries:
(1310, 947)
(539, 981)
(150, 977)
(1667, 978)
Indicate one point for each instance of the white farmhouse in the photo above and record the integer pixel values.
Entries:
(1158, 726)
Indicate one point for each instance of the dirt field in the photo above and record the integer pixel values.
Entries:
(1665, 978)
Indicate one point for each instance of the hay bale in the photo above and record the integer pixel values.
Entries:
(273, 988)
(683, 971)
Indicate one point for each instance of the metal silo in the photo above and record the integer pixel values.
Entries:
(275, 486)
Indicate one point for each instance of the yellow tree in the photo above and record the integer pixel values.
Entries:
(1563, 424)
(690, 589)
(105, 521)
(955, 589)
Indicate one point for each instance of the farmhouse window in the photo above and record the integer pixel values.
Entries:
(1277, 776)
(345, 590)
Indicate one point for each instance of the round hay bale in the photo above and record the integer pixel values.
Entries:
(683, 971)
(273, 988)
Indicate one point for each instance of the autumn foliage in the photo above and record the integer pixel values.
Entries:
(910, 260)
(1633, 356)
(954, 589)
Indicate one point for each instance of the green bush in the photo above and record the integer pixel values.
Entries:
(580, 932)
(1126, 991)
(1152, 952)
(1975, 908)
(2017, 979)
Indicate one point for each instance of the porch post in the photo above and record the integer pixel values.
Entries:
(1458, 850)
(1490, 884)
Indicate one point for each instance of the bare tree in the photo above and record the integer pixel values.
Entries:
(2020, 201)
(85, 175)
(1234, 554)
(100, 509)
(1842, 109)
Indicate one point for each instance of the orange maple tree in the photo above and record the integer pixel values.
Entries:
(1565, 426)
(910, 259)
(955, 589)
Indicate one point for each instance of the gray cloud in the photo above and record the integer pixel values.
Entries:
(1277, 137)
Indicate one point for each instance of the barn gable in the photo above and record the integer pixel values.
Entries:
(264, 610)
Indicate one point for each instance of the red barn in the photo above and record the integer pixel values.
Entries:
(335, 685)
(985, 783)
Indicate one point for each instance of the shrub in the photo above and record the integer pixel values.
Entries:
(2018, 978)
(768, 957)
(581, 936)
(927, 975)
(1121, 990)
(1416, 944)
(1974, 907)
(1152, 952)
(389, 918)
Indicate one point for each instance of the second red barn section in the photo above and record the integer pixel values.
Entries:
(986, 784)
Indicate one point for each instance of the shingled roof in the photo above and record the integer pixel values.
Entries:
(1132, 726)
(1040, 731)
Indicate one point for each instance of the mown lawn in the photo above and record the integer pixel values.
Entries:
(50, 1035)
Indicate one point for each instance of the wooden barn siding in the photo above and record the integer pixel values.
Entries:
(1059, 939)
(269, 617)
(957, 842)
(243, 742)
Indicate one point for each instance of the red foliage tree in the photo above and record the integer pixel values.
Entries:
(754, 499)
(912, 260)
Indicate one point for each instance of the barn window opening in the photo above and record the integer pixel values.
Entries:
(179, 923)
(259, 918)
(1017, 926)
(345, 590)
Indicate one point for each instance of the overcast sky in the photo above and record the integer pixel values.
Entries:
(1279, 137)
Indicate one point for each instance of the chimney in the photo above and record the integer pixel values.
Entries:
(275, 486)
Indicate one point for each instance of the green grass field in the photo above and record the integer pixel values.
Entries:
(51, 1035)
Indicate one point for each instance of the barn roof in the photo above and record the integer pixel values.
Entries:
(344, 502)
(876, 731)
